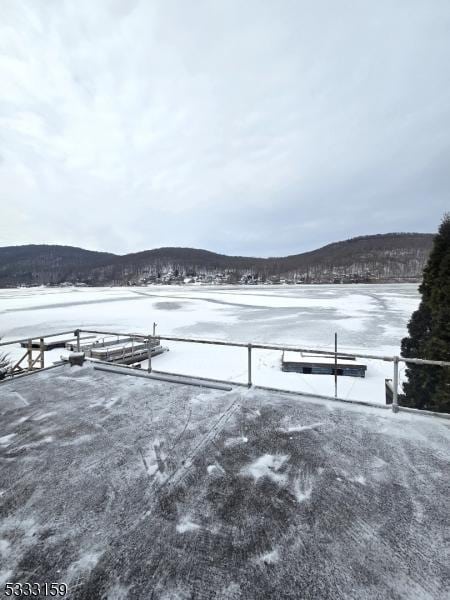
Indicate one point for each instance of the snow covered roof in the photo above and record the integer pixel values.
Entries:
(129, 488)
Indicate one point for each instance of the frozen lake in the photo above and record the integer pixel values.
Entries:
(367, 318)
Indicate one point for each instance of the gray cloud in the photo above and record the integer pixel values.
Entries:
(260, 128)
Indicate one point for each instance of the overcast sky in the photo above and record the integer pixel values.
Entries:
(245, 127)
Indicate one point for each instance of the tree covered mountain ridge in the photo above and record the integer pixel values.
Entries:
(381, 257)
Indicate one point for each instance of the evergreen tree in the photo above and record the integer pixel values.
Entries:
(428, 387)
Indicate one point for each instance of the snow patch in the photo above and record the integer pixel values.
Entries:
(303, 488)
(110, 403)
(81, 439)
(215, 468)
(5, 440)
(161, 477)
(267, 465)
(185, 524)
(24, 400)
(297, 428)
(269, 558)
(86, 562)
(44, 416)
(151, 469)
(5, 576)
(47, 439)
(176, 594)
(359, 479)
(235, 441)
(118, 592)
(4, 547)
(230, 592)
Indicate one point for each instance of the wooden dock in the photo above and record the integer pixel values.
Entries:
(124, 351)
(136, 356)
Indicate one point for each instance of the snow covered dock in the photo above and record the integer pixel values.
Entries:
(319, 364)
(124, 487)
(116, 349)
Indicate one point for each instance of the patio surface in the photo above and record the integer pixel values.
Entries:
(126, 488)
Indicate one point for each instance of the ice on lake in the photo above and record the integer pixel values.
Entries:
(367, 318)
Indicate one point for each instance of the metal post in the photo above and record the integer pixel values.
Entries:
(249, 350)
(41, 346)
(30, 355)
(149, 354)
(154, 329)
(77, 333)
(335, 365)
(395, 386)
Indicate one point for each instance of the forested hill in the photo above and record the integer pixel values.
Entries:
(383, 257)
(41, 264)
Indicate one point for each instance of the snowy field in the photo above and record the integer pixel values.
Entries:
(367, 318)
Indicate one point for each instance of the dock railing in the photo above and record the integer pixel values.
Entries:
(33, 363)
(250, 346)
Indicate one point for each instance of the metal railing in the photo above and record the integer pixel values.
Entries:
(149, 338)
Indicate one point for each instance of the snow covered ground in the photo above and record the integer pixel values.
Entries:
(367, 318)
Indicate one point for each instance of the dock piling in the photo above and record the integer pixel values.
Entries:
(149, 354)
(335, 365)
(30, 354)
(41, 349)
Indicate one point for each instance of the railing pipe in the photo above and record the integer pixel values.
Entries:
(417, 361)
(423, 361)
(249, 367)
(42, 350)
(259, 346)
(279, 347)
(335, 365)
(149, 354)
(395, 386)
